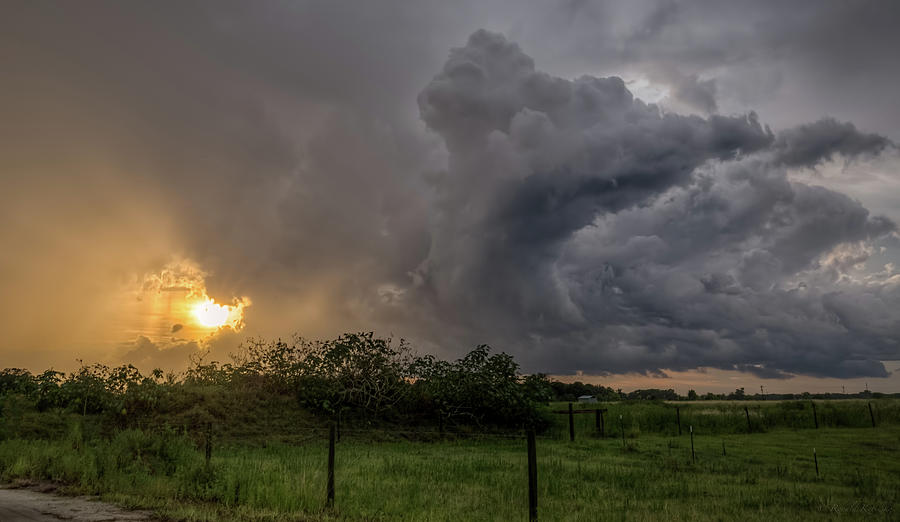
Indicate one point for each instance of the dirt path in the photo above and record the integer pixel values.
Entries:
(22, 505)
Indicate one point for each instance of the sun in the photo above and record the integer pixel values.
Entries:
(210, 314)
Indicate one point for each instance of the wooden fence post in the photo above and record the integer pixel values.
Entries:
(571, 424)
(329, 500)
(208, 442)
(678, 417)
(871, 415)
(622, 424)
(747, 413)
(598, 422)
(723, 448)
(693, 457)
(816, 459)
(815, 417)
(532, 477)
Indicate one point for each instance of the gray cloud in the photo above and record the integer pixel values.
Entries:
(147, 355)
(739, 274)
(814, 143)
(606, 235)
(177, 354)
(697, 93)
(780, 59)
(536, 158)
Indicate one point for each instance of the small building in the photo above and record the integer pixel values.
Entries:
(590, 399)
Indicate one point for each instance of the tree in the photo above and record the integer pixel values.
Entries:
(357, 371)
(17, 380)
(737, 395)
(48, 390)
(480, 388)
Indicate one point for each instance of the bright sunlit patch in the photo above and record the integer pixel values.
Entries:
(177, 296)
(210, 314)
(646, 91)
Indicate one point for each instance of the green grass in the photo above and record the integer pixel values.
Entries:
(764, 476)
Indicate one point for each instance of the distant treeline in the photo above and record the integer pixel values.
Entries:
(570, 392)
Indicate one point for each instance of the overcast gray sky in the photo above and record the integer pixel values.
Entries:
(598, 187)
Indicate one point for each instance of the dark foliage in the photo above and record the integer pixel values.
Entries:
(359, 377)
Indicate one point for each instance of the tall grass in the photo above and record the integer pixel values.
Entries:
(763, 477)
(766, 475)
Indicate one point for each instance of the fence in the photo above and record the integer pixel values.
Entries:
(531, 439)
(726, 417)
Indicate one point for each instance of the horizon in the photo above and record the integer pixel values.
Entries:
(702, 381)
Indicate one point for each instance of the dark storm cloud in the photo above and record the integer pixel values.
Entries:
(737, 268)
(536, 158)
(316, 157)
(605, 235)
(814, 143)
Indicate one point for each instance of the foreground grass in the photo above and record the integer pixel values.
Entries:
(763, 476)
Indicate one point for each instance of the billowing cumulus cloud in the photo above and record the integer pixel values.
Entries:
(601, 233)
(333, 165)
(536, 158)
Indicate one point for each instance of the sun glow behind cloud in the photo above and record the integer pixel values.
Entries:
(210, 314)
(189, 303)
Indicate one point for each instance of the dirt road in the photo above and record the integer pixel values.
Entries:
(22, 505)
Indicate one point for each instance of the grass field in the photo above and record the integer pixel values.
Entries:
(765, 475)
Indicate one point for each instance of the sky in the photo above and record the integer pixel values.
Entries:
(641, 194)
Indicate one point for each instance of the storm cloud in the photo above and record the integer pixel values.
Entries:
(591, 186)
(814, 143)
(607, 235)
